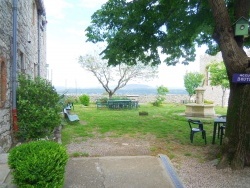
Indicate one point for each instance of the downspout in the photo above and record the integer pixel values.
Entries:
(14, 65)
(38, 42)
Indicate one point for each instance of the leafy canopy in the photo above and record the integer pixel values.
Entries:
(218, 75)
(141, 29)
(192, 80)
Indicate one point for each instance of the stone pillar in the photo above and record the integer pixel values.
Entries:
(199, 95)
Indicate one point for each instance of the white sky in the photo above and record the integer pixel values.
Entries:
(67, 21)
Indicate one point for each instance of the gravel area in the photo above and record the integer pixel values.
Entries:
(195, 172)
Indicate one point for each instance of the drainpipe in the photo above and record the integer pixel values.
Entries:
(14, 65)
(38, 42)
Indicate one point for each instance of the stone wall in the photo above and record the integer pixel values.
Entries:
(5, 58)
(211, 94)
(149, 98)
(31, 54)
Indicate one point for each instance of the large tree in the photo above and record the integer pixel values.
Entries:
(141, 29)
(113, 78)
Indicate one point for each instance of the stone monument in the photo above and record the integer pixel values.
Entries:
(199, 109)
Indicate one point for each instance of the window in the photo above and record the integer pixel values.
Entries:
(35, 70)
(34, 13)
(21, 63)
(3, 82)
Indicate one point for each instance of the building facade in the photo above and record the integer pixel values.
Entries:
(212, 93)
(22, 50)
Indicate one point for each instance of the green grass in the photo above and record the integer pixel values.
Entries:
(166, 122)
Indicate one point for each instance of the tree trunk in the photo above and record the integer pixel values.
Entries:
(110, 94)
(236, 145)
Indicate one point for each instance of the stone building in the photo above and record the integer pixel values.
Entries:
(212, 93)
(22, 50)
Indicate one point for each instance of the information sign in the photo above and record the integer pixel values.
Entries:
(241, 78)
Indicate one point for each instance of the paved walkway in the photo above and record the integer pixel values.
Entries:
(111, 172)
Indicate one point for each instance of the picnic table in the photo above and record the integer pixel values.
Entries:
(101, 104)
(122, 104)
(217, 122)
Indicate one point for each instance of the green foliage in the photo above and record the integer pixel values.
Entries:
(66, 100)
(218, 75)
(38, 164)
(84, 99)
(104, 99)
(37, 108)
(71, 99)
(208, 102)
(161, 95)
(135, 29)
(192, 80)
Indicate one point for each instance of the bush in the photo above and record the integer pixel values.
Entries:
(38, 164)
(37, 108)
(157, 102)
(208, 102)
(84, 99)
(71, 99)
(161, 94)
(104, 100)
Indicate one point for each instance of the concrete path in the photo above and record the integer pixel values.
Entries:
(4, 170)
(111, 172)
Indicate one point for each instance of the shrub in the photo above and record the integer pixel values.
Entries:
(71, 99)
(208, 102)
(38, 164)
(161, 94)
(37, 108)
(84, 99)
(104, 100)
(157, 102)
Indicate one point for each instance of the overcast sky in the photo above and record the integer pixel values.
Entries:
(66, 41)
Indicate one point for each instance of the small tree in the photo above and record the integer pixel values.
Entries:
(192, 80)
(37, 108)
(218, 77)
(161, 95)
(119, 75)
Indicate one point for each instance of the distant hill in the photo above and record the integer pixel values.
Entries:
(137, 86)
(131, 89)
(127, 87)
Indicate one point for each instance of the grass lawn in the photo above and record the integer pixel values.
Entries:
(166, 123)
